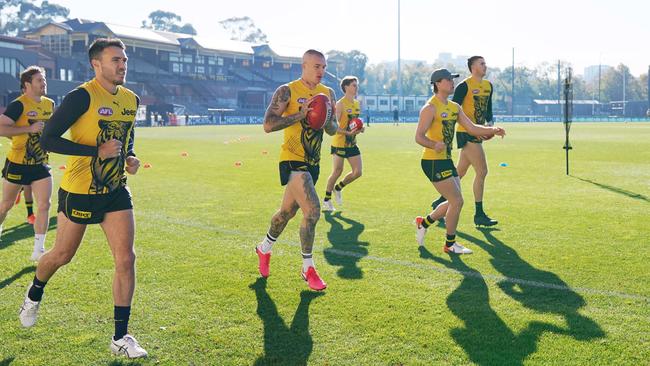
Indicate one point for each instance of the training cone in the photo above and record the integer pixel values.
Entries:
(147, 165)
(264, 152)
(184, 153)
(503, 164)
(62, 167)
(238, 163)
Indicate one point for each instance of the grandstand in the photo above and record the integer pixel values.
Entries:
(165, 68)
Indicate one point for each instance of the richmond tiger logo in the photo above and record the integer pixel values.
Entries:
(108, 174)
(34, 154)
(448, 134)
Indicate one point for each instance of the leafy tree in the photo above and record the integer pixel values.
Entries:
(243, 29)
(349, 63)
(167, 21)
(21, 15)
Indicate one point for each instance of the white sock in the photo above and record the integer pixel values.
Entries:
(39, 242)
(307, 261)
(0, 230)
(267, 244)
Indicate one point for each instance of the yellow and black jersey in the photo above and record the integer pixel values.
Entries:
(26, 148)
(301, 142)
(94, 116)
(351, 110)
(442, 128)
(475, 97)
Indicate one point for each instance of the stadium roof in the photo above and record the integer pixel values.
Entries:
(555, 101)
(143, 34)
(224, 45)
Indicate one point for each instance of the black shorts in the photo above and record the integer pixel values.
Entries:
(91, 208)
(286, 167)
(438, 170)
(24, 174)
(345, 152)
(462, 138)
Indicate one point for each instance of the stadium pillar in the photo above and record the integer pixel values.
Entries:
(399, 59)
(512, 97)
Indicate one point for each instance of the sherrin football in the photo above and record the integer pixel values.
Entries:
(355, 124)
(321, 111)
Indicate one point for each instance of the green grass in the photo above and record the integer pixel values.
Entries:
(564, 280)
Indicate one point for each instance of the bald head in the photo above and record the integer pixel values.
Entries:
(313, 67)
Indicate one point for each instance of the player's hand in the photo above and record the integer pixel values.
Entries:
(132, 164)
(304, 109)
(36, 127)
(109, 149)
(439, 146)
(499, 131)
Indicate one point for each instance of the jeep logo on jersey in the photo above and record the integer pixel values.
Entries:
(128, 112)
(444, 115)
(302, 100)
(105, 111)
(32, 114)
(475, 91)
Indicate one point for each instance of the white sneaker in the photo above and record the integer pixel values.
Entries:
(127, 346)
(338, 196)
(457, 249)
(420, 230)
(28, 311)
(37, 253)
(328, 206)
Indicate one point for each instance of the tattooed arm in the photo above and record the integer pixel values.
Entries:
(332, 125)
(273, 120)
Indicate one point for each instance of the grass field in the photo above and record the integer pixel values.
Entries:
(563, 280)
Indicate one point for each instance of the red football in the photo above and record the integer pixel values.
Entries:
(321, 111)
(355, 124)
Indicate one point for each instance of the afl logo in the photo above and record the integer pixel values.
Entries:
(475, 91)
(105, 111)
(32, 114)
(349, 110)
(444, 115)
(302, 100)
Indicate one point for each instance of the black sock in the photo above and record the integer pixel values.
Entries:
(30, 207)
(437, 202)
(36, 291)
(428, 221)
(328, 196)
(121, 315)
(479, 209)
(339, 186)
(451, 240)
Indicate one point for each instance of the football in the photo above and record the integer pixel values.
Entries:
(321, 111)
(355, 124)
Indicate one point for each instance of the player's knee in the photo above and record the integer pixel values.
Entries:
(125, 262)
(5, 207)
(313, 215)
(456, 201)
(44, 206)
(357, 173)
(482, 173)
(61, 258)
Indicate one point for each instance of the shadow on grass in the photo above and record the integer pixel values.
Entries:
(346, 240)
(7, 361)
(284, 345)
(14, 234)
(485, 337)
(630, 194)
(8, 281)
(125, 363)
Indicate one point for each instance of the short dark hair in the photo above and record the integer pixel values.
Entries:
(27, 75)
(435, 88)
(347, 81)
(471, 60)
(98, 45)
(313, 53)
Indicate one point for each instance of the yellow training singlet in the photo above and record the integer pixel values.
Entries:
(475, 103)
(108, 117)
(301, 143)
(351, 110)
(442, 128)
(26, 148)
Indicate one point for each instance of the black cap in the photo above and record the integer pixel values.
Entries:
(440, 74)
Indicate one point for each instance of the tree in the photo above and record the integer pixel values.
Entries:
(613, 85)
(167, 21)
(348, 63)
(243, 29)
(21, 15)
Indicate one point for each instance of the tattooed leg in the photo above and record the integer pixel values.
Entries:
(302, 186)
(286, 212)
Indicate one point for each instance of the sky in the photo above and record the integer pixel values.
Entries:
(580, 32)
